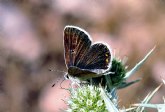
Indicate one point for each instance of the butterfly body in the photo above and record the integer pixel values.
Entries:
(83, 59)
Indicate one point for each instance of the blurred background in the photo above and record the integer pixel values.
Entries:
(31, 43)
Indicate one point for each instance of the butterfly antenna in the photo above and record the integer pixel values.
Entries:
(56, 82)
(57, 71)
(60, 83)
(53, 84)
(59, 78)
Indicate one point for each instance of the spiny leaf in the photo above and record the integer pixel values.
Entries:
(137, 66)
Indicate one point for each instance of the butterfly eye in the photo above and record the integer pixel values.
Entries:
(66, 76)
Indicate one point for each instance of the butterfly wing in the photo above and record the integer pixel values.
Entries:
(76, 45)
(81, 54)
(82, 74)
(97, 57)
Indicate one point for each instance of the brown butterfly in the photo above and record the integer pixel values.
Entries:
(83, 59)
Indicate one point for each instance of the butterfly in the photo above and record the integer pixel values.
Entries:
(83, 59)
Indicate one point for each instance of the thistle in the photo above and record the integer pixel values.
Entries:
(86, 99)
(100, 95)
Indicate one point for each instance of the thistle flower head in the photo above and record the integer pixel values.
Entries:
(118, 72)
(86, 99)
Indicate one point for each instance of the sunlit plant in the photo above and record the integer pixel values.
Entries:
(99, 95)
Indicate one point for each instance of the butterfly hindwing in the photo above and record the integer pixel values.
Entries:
(97, 57)
(82, 74)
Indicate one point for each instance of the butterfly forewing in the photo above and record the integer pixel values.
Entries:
(76, 44)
